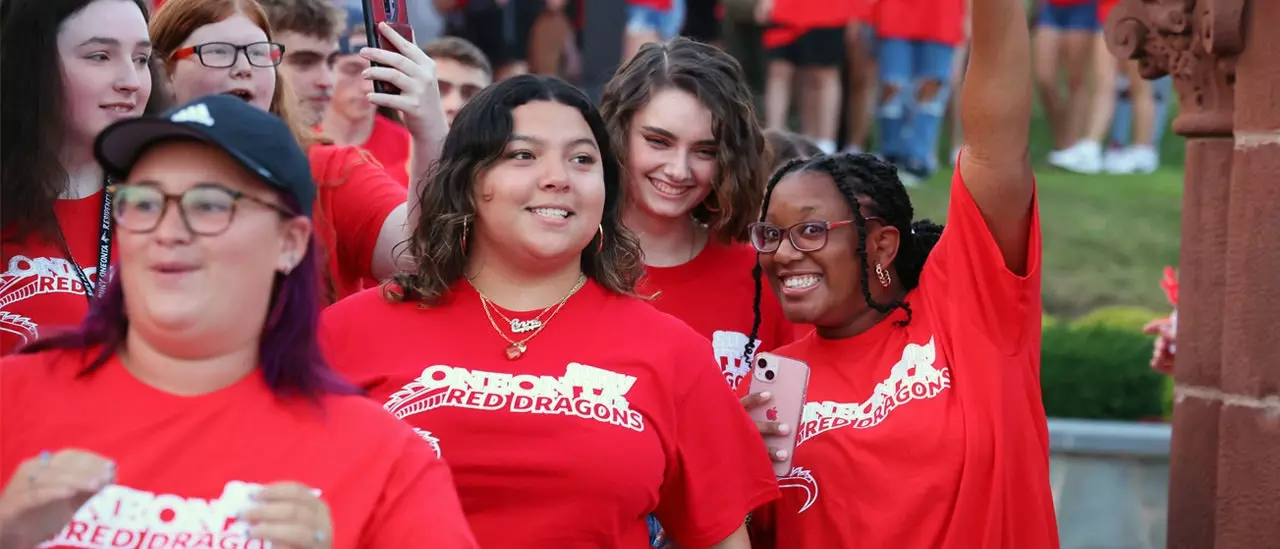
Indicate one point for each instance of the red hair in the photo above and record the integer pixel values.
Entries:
(174, 22)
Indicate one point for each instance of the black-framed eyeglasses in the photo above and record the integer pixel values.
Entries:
(221, 55)
(206, 210)
(806, 236)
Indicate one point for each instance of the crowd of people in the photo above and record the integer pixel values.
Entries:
(860, 75)
(268, 286)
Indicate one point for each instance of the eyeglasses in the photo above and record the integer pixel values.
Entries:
(807, 236)
(221, 55)
(206, 210)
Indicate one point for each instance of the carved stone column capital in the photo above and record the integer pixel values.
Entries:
(1194, 41)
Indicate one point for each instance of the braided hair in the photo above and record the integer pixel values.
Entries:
(865, 176)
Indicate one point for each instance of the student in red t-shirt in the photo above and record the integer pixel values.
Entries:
(924, 426)
(693, 158)
(568, 408)
(60, 90)
(914, 55)
(193, 407)
(362, 215)
(350, 119)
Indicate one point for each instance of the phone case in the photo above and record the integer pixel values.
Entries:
(394, 13)
(788, 380)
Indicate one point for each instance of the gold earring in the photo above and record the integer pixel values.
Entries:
(600, 244)
(883, 275)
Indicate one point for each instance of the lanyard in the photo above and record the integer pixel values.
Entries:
(92, 290)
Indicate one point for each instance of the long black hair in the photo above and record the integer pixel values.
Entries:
(876, 181)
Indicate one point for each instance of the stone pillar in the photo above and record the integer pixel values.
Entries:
(1225, 474)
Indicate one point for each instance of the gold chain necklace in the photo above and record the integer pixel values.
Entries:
(516, 349)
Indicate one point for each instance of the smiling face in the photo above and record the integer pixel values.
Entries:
(104, 50)
(821, 287)
(541, 202)
(204, 288)
(191, 79)
(671, 155)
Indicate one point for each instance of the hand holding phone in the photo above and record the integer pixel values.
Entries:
(395, 14)
(776, 401)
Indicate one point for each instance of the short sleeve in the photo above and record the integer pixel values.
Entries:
(966, 276)
(356, 195)
(419, 505)
(339, 343)
(720, 470)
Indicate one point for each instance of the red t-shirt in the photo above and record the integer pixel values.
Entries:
(183, 462)
(1070, 2)
(615, 411)
(904, 20)
(713, 294)
(931, 435)
(40, 290)
(789, 19)
(354, 197)
(660, 5)
(1104, 10)
(390, 143)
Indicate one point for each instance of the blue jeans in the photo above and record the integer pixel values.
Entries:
(667, 24)
(1074, 18)
(1122, 121)
(909, 127)
(654, 530)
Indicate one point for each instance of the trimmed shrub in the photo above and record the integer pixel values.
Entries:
(1098, 367)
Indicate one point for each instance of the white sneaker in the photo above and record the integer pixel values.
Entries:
(1136, 159)
(908, 179)
(1115, 160)
(1084, 157)
(1143, 159)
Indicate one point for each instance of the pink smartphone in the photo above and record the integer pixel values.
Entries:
(788, 380)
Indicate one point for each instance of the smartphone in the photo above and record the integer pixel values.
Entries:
(788, 380)
(394, 13)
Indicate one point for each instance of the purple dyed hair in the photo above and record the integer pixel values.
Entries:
(289, 355)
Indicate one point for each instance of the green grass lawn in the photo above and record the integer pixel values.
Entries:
(1106, 238)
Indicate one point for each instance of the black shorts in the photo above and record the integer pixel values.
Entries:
(816, 48)
(700, 21)
(502, 33)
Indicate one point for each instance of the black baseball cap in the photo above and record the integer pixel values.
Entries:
(258, 140)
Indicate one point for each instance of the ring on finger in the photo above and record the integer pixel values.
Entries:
(44, 459)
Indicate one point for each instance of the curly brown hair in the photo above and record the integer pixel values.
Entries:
(476, 142)
(716, 79)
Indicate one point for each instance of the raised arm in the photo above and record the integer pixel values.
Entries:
(410, 69)
(995, 113)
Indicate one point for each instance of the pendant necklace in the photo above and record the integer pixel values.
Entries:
(516, 349)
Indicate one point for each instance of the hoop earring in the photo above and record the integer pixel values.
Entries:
(883, 275)
(600, 243)
(707, 205)
(464, 234)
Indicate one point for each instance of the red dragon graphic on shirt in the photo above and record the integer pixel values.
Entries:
(915, 377)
